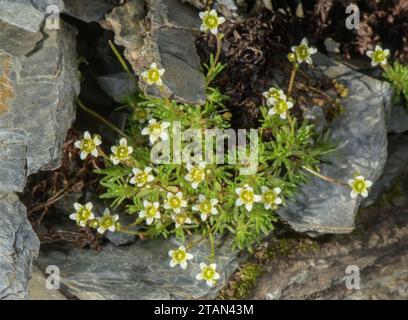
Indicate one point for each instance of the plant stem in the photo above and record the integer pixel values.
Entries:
(123, 63)
(323, 177)
(212, 245)
(194, 243)
(102, 119)
(216, 59)
(292, 78)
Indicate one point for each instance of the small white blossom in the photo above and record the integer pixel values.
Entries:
(181, 219)
(121, 152)
(271, 198)
(156, 130)
(378, 56)
(108, 222)
(273, 95)
(82, 214)
(141, 115)
(281, 107)
(303, 52)
(175, 202)
(210, 21)
(195, 174)
(151, 211)
(140, 178)
(247, 197)
(88, 145)
(153, 75)
(359, 185)
(205, 206)
(208, 274)
(179, 256)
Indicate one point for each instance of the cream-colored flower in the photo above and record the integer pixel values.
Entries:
(156, 130)
(247, 197)
(141, 115)
(108, 222)
(121, 152)
(181, 219)
(205, 206)
(208, 274)
(273, 95)
(153, 75)
(271, 198)
(88, 145)
(195, 174)
(378, 56)
(151, 211)
(83, 214)
(175, 202)
(141, 178)
(210, 21)
(281, 107)
(303, 52)
(179, 256)
(359, 185)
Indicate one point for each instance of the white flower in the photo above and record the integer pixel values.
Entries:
(108, 222)
(281, 107)
(273, 95)
(83, 213)
(303, 52)
(141, 115)
(359, 185)
(175, 202)
(121, 152)
(153, 75)
(271, 198)
(140, 177)
(181, 219)
(205, 207)
(150, 212)
(156, 130)
(210, 21)
(208, 274)
(179, 256)
(246, 197)
(195, 174)
(378, 56)
(88, 145)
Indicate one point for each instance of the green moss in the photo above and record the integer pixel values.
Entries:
(285, 247)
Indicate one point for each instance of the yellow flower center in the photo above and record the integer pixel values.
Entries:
(141, 178)
(153, 75)
(302, 52)
(206, 206)
(197, 174)
(359, 186)
(281, 107)
(122, 152)
(151, 211)
(140, 114)
(83, 214)
(87, 145)
(175, 202)
(107, 222)
(269, 197)
(179, 255)
(155, 129)
(247, 196)
(379, 56)
(208, 273)
(210, 21)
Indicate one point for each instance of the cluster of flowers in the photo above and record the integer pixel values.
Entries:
(279, 104)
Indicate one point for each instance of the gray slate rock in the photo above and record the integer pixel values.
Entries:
(89, 10)
(361, 139)
(378, 247)
(161, 31)
(138, 271)
(397, 118)
(117, 85)
(18, 247)
(40, 91)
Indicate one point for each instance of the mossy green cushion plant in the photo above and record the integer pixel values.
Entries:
(194, 197)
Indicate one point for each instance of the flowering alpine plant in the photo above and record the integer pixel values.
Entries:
(198, 199)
